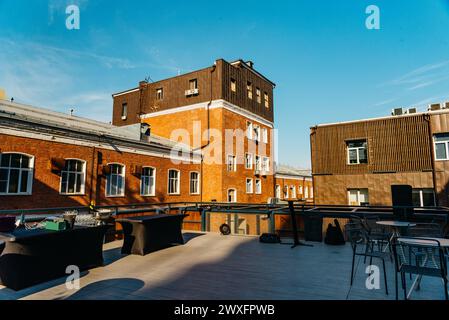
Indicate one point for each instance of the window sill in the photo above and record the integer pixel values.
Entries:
(72, 194)
(118, 196)
(15, 194)
(147, 195)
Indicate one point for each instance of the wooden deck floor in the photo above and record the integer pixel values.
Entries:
(210, 266)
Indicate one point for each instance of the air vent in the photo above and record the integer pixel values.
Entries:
(434, 107)
(397, 112)
(446, 105)
(412, 110)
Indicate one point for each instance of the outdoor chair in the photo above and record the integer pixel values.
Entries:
(420, 257)
(363, 246)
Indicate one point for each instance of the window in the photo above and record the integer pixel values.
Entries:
(249, 90)
(423, 197)
(258, 186)
(285, 192)
(249, 185)
(115, 181)
(311, 192)
(248, 161)
(148, 182)
(266, 164)
(358, 197)
(267, 100)
(249, 130)
(233, 85)
(357, 152)
(231, 164)
(300, 190)
(173, 181)
(441, 142)
(72, 177)
(232, 195)
(257, 133)
(193, 84)
(306, 192)
(278, 191)
(124, 111)
(194, 183)
(293, 191)
(265, 135)
(257, 163)
(259, 97)
(159, 94)
(16, 174)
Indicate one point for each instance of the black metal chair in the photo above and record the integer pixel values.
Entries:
(363, 246)
(420, 257)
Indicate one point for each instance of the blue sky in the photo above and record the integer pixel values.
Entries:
(327, 66)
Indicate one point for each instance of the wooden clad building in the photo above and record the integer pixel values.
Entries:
(356, 162)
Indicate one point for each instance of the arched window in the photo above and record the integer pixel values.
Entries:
(115, 180)
(16, 174)
(173, 181)
(148, 181)
(232, 195)
(73, 177)
(194, 183)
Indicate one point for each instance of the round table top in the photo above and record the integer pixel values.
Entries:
(396, 223)
(425, 241)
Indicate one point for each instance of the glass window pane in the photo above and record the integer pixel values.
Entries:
(363, 158)
(352, 155)
(15, 160)
(5, 160)
(428, 198)
(440, 150)
(78, 182)
(13, 181)
(442, 137)
(71, 183)
(24, 182)
(25, 162)
(416, 198)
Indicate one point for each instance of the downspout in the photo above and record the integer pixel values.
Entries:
(93, 171)
(311, 165)
(432, 156)
(214, 67)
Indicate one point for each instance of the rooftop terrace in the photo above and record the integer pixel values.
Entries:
(211, 266)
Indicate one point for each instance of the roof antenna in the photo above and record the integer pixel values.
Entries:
(12, 99)
(148, 79)
(71, 112)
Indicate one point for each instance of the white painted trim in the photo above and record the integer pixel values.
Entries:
(199, 183)
(71, 141)
(179, 182)
(286, 176)
(122, 195)
(216, 104)
(83, 193)
(154, 178)
(125, 92)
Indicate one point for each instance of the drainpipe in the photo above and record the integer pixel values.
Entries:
(214, 67)
(427, 118)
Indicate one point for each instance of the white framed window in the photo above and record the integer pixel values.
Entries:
(159, 94)
(248, 161)
(257, 133)
(233, 85)
(193, 84)
(257, 163)
(173, 181)
(278, 191)
(441, 146)
(249, 130)
(357, 152)
(293, 191)
(358, 197)
(231, 163)
(267, 100)
(258, 186)
(300, 190)
(16, 174)
(148, 182)
(194, 182)
(115, 180)
(265, 135)
(311, 192)
(73, 177)
(232, 195)
(258, 95)
(249, 90)
(423, 197)
(249, 185)
(266, 164)
(124, 111)
(306, 192)
(285, 192)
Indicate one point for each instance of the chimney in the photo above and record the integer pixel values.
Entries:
(250, 64)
